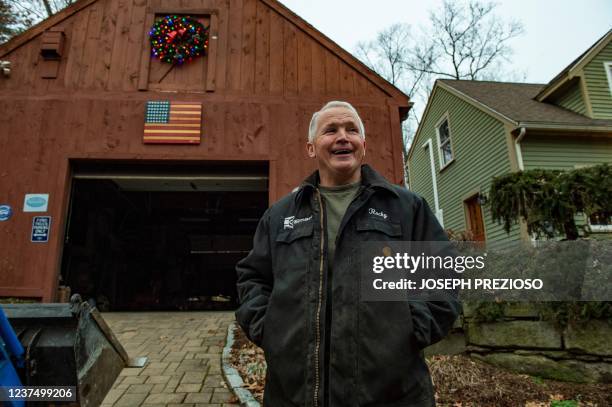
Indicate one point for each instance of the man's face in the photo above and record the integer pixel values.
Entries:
(338, 147)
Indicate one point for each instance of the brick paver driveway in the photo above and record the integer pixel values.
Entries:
(184, 366)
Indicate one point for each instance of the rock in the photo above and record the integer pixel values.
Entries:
(521, 310)
(553, 354)
(509, 310)
(478, 356)
(453, 344)
(478, 349)
(469, 309)
(587, 358)
(458, 324)
(593, 338)
(565, 370)
(514, 334)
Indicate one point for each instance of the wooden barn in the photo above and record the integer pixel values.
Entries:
(138, 182)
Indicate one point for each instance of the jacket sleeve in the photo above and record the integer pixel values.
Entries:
(255, 283)
(432, 320)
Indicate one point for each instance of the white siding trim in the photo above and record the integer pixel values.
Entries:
(434, 182)
(608, 68)
(450, 142)
(601, 228)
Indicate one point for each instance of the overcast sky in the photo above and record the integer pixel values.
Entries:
(556, 31)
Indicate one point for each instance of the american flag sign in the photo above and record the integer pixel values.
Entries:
(172, 122)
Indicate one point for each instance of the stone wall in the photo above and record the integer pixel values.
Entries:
(521, 342)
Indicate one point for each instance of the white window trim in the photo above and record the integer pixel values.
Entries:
(598, 228)
(450, 141)
(608, 69)
(601, 228)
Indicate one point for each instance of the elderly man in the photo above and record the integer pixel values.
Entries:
(299, 286)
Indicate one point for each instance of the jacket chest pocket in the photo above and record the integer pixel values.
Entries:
(293, 247)
(378, 230)
(288, 236)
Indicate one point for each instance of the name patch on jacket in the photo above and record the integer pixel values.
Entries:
(379, 213)
(292, 221)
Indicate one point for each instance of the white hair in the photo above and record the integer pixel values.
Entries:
(330, 105)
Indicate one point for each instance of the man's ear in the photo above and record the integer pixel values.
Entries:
(311, 150)
(364, 150)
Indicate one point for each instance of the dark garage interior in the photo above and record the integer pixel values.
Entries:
(160, 237)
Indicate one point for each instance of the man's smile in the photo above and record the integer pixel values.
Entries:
(342, 151)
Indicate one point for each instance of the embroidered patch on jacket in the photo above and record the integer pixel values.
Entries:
(380, 213)
(291, 221)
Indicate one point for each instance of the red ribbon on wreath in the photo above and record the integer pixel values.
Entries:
(173, 34)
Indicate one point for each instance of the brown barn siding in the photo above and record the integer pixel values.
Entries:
(268, 76)
(258, 52)
(38, 153)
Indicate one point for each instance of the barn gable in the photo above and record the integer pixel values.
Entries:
(257, 47)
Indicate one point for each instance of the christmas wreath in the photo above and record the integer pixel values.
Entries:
(177, 39)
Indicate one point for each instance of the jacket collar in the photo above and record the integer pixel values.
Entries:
(370, 178)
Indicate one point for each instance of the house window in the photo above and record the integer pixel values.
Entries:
(608, 68)
(444, 142)
(600, 222)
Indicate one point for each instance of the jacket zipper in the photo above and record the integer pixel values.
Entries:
(319, 304)
(320, 299)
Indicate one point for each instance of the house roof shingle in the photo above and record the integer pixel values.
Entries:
(516, 102)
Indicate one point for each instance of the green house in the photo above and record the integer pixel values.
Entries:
(472, 131)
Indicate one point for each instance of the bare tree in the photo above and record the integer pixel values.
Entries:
(388, 52)
(19, 15)
(8, 22)
(15, 17)
(387, 55)
(33, 11)
(463, 40)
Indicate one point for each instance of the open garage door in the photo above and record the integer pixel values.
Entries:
(159, 236)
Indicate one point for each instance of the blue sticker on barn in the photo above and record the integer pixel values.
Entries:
(5, 212)
(40, 229)
(36, 203)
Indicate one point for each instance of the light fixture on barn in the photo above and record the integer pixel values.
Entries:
(5, 67)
